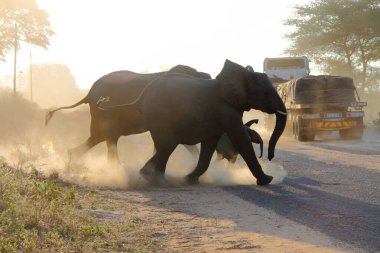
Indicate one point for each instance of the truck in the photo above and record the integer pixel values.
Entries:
(316, 103)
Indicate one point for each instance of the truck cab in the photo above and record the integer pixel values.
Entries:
(281, 69)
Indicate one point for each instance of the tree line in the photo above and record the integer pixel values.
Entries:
(342, 37)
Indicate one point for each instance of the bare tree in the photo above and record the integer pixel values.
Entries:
(22, 20)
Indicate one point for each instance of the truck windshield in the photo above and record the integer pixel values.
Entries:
(285, 63)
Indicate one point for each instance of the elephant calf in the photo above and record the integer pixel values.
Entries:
(225, 148)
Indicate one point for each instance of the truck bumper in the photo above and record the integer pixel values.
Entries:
(333, 124)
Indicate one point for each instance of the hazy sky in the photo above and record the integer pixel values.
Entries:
(94, 37)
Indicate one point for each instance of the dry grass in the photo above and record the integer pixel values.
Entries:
(39, 214)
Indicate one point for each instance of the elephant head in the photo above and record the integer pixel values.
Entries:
(245, 90)
(183, 69)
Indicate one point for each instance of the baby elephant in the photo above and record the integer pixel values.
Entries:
(225, 149)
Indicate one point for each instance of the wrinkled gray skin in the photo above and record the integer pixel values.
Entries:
(116, 88)
(180, 109)
(226, 150)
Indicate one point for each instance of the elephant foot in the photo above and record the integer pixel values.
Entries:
(264, 180)
(153, 178)
(191, 180)
(73, 157)
(147, 173)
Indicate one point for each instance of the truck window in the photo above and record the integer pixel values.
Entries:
(285, 63)
(281, 69)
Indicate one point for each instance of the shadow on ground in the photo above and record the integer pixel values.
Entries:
(339, 217)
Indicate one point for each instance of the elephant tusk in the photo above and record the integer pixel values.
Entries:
(283, 113)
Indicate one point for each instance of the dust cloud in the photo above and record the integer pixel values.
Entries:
(28, 144)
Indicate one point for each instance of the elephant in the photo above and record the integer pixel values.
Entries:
(226, 150)
(180, 109)
(114, 88)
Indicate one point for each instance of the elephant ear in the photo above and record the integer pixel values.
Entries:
(233, 85)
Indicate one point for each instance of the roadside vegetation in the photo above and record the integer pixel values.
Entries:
(44, 214)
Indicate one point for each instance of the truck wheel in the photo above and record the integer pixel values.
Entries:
(351, 133)
(299, 133)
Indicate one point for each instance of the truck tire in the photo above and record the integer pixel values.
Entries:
(299, 133)
(351, 133)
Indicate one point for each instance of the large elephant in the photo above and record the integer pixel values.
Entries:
(115, 88)
(180, 109)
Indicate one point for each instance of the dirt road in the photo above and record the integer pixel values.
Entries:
(326, 198)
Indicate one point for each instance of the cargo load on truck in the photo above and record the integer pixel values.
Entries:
(323, 103)
(316, 103)
(318, 90)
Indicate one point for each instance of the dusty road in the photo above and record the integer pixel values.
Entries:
(329, 201)
(336, 188)
(325, 196)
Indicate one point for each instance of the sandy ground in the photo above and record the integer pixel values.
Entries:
(209, 219)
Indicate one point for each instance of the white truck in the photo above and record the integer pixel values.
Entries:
(316, 103)
(286, 68)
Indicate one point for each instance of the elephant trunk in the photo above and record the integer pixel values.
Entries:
(279, 128)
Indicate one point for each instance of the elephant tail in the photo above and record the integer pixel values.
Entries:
(49, 114)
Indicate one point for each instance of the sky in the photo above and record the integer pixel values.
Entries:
(95, 37)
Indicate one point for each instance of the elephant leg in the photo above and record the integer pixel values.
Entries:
(78, 151)
(207, 150)
(162, 156)
(113, 157)
(154, 169)
(241, 141)
(147, 171)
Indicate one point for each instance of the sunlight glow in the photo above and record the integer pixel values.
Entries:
(96, 37)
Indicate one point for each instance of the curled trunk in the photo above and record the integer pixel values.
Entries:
(278, 130)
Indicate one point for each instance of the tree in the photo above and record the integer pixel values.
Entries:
(341, 36)
(53, 85)
(22, 20)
